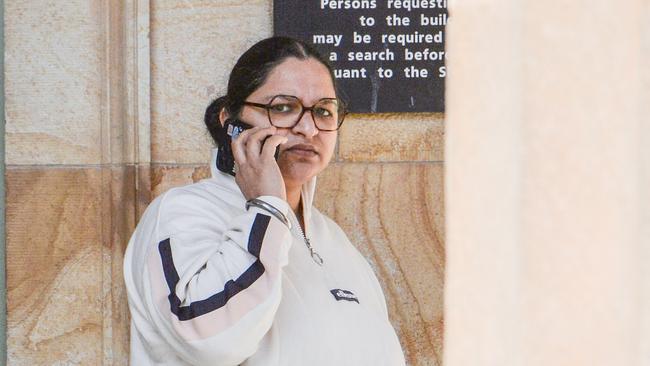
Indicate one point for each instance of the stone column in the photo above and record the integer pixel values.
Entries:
(548, 184)
(77, 155)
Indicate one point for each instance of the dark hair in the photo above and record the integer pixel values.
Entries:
(251, 71)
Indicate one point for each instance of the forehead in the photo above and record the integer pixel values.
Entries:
(307, 79)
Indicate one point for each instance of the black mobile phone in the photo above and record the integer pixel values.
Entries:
(225, 158)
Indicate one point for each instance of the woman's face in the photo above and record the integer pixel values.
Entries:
(308, 150)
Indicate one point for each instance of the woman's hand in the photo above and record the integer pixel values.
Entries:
(257, 172)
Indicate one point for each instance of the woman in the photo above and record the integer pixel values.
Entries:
(243, 270)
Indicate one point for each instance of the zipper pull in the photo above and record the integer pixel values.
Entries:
(314, 255)
(317, 258)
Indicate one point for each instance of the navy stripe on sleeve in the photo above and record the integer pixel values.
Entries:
(231, 288)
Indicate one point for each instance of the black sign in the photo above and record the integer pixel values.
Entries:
(388, 55)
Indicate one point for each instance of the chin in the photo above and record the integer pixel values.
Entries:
(298, 173)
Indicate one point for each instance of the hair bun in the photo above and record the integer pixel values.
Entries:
(211, 118)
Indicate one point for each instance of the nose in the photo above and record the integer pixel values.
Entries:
(306, 125)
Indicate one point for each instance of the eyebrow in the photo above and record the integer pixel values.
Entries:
(268, 98)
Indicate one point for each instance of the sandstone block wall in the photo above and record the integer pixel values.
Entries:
(104, 108)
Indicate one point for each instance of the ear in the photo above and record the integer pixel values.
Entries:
(223, 116)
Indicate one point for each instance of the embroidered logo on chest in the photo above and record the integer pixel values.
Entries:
(340, 294)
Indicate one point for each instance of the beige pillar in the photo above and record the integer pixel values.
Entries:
(77, 157)
(548, 184)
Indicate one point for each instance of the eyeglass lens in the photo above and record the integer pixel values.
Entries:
(285, 111)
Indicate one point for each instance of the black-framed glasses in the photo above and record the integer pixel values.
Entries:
(285, 111)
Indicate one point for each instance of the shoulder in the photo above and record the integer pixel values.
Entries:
(324, 222)
(196, 195)
(340, 238)
(196, 206)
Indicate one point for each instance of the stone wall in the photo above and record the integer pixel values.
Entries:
(104, 108)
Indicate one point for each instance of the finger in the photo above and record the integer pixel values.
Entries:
(245, 134)
(254, 141)
(238, 152)
(271, 143)
(238, 149)
(238, 145)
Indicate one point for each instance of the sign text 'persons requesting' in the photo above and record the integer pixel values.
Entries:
(388, 55)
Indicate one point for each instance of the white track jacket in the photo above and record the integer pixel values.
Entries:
(210, 283)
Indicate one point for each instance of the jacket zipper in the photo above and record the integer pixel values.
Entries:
(314, 254)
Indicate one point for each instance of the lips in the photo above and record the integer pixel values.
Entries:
(303, 149)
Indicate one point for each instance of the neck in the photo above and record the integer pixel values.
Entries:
(293, 198)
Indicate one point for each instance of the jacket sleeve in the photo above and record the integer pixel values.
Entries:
(212, 283)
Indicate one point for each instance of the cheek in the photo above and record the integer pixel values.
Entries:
(254, 118)
(329, 143)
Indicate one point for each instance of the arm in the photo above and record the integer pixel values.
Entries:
(211, 281)
(211, 285)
